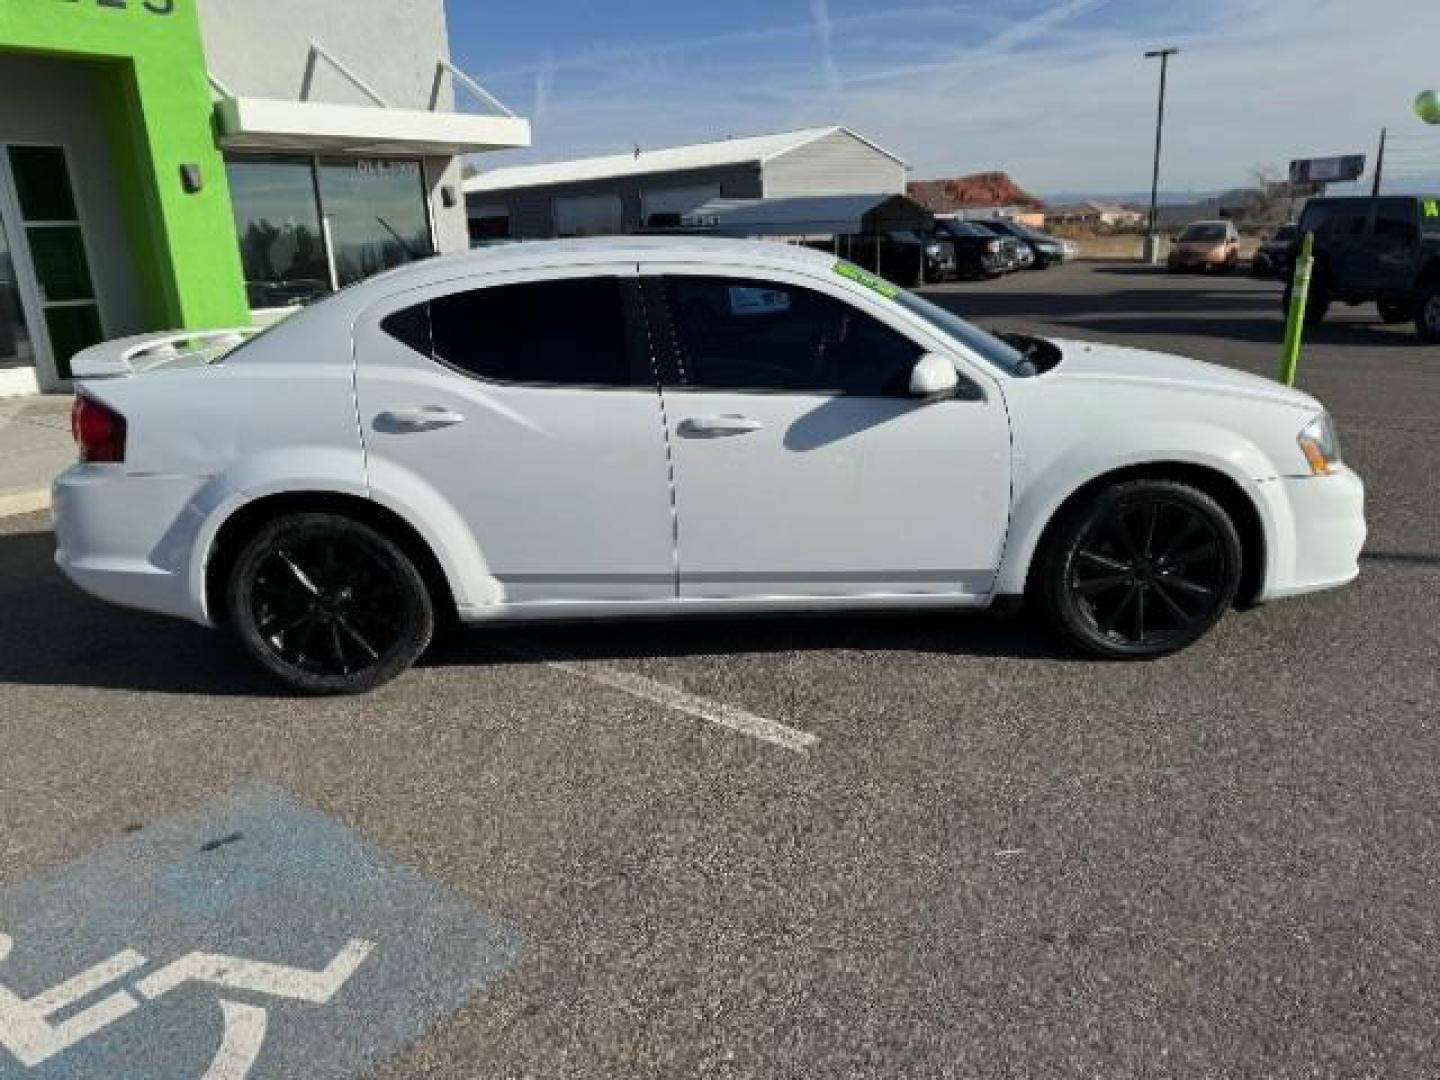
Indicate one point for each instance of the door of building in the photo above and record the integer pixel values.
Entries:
(49, 309)
(17, 352)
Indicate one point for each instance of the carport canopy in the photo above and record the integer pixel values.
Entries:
(810, 215)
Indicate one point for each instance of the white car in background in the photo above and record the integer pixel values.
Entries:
(672, 426)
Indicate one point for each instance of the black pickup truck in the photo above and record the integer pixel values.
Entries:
(1385, 250)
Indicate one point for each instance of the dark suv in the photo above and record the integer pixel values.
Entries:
(1382, 249)
(978, 252)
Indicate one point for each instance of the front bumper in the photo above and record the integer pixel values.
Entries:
(1317, 534)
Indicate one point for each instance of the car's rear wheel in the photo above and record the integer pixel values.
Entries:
(329, 605)
(1427, 315)
(1143, 569)
(1395, 311)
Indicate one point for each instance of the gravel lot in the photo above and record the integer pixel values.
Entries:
(995, 860)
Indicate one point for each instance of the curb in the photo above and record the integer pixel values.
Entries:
(32, 501)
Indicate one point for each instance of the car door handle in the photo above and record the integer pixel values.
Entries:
(708, 427)
(417, 418)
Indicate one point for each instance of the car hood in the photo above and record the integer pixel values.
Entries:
(1092, 361)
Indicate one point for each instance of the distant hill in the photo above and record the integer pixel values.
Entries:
(977, 189)
(1130, 198)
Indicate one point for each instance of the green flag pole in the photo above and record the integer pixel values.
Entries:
(1299, 297)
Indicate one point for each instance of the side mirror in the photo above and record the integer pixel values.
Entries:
(933, 378)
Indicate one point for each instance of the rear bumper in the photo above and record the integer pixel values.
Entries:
(1318, 534)
(128, 539)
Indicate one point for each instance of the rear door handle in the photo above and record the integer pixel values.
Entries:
(417, 418)
(708, 427)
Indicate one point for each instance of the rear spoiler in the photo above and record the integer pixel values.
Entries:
(147, 352)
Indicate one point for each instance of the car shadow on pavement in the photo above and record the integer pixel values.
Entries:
(51, 634)
(973, 634)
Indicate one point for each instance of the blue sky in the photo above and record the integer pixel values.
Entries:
(1054, 91)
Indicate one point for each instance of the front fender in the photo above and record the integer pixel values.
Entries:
(1042, 488)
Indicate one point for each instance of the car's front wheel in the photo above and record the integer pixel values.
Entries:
(1141, 570)
(329, 605)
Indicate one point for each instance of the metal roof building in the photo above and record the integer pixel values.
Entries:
(622, 192)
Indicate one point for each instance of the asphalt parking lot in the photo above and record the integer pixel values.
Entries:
(892, 847)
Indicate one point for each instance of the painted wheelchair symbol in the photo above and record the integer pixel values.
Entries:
(27, 1033)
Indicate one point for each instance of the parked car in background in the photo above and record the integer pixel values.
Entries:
(1385, 250)
(664, 426)
(1045, 250)
(900, 255)
(1276, 256)
(979, 253)
(1206, 245)
(1020, 252)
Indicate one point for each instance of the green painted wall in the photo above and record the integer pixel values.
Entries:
(156, 103)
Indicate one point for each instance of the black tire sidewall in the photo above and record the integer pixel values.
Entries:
(1429, 334)
(418, 608)
(1058, 602)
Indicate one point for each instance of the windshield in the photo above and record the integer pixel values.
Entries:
(964, 228)
(1204, 231)
(990, 348)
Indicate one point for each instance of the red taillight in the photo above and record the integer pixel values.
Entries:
(99, 431)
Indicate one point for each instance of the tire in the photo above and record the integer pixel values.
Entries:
(1143, 569)
(1427, 314)
(1395, 311)
(329, 605)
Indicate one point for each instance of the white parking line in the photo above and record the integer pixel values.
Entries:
(646, 689)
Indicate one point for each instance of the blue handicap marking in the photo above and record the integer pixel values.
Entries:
(253, 937)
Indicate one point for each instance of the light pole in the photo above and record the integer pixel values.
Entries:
(1152, 242)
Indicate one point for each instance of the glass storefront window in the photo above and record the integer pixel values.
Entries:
(375, 209)
(277, 219)
(377, 212)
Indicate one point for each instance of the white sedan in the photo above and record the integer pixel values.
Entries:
(670, 426)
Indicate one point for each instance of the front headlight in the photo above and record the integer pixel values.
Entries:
(1320, 445)
(992, 246)
(932, 249)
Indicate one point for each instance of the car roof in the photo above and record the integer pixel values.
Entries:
(538, 254)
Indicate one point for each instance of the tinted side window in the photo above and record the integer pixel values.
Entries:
(569, 332)
(732, 334)
(1395, 224)
(1336, 222)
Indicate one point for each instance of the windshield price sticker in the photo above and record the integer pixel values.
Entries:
(869, 280)
(254, 937)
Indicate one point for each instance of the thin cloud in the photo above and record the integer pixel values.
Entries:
(1060, 96)
(824, 34)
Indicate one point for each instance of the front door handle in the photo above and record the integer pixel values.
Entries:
(417, 418)
(709, 427)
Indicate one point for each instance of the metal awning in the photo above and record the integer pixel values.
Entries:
(267, 124)
(814, 215)
(253, 123)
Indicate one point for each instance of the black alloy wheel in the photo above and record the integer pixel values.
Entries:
(1144, 570)
(329, 605)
